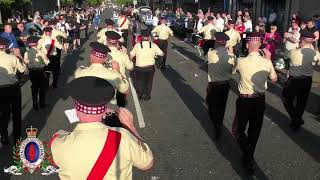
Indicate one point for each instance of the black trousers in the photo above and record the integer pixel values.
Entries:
(249, 110)
(144, 80)
(121, 99)
(163, 45)
(298, 88)
(125, 37)
(208, 44)
(39, 80)
(149, 27)
(217, 96)
(10, 104)
(54, 66)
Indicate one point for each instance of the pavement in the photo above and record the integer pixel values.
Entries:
(179, 132)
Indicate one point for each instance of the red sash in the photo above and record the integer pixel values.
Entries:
(125, 19)
(106, 156)
(51, 47)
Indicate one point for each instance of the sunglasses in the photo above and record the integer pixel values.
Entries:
(295, 28)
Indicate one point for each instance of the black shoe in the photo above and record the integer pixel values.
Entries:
(296, 126)
(162, 67)
(217, 132)
(42, 106)
(249, 169)
(248, 166)
(54, 86)
(5, 141)
(147, 98)
(143, 96)
(35, 107)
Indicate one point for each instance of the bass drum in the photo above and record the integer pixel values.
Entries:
(156, 40)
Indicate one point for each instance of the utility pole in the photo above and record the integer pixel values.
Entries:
(58, 3)
(0, 16)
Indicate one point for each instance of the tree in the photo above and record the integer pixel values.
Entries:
(95, 2)
(123, 2)
(5, 5)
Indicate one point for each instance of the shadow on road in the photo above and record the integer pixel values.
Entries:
(313, 105)
(226, 145)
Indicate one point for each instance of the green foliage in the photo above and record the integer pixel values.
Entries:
(67, 2)
(6, 3)
(123, 2)
(95, 2)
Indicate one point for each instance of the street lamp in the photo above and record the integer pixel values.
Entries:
(58, 3)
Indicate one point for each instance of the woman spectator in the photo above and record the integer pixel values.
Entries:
(241, 29)
(296, 18)
(240, 26)
(291, 40)
(260, 29)
(64, 26)
(96, 22)
(239, 20)
(189, 25)
(303, 25)
(200, 22)
(247, 23)
(272, 40)
(293, 23)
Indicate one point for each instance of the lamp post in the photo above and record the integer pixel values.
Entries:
(0, 15)
(58, 3)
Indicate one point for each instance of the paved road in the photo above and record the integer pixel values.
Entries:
(179, 132)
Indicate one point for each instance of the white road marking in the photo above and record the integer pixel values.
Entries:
(137, 105)
(186, 58)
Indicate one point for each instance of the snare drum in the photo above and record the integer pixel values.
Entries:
(156, 40)
(200, 42)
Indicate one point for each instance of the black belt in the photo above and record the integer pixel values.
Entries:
(254, 95)
(299, 77)
(219, 82)
(36, 69)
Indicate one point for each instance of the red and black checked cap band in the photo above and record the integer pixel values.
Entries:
(112, 41)
(92, 110)
(98, 54)
(253, 38)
